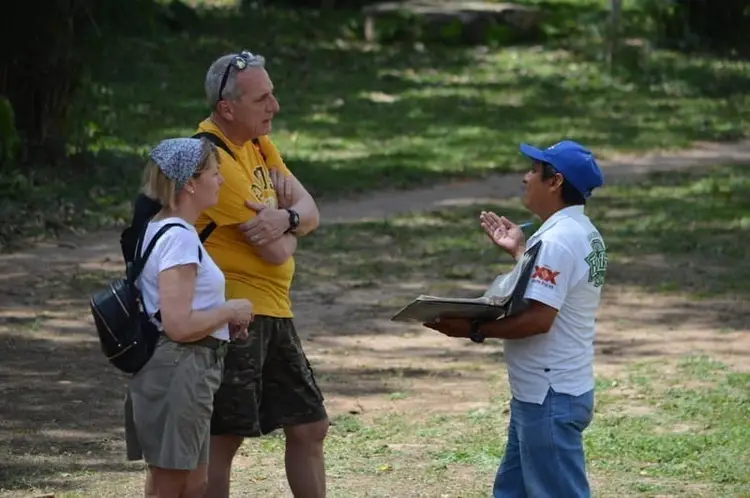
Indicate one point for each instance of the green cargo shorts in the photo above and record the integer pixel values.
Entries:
(268, 383)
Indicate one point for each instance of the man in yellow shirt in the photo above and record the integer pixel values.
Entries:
(268, 382)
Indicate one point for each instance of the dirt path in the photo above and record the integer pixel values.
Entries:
(622, 168)
(366, 364)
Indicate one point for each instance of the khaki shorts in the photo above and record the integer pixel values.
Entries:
(169, 403)
(268, 382)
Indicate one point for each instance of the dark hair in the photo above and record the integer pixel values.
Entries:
(570, 195)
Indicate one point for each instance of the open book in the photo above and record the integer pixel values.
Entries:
(503, 297)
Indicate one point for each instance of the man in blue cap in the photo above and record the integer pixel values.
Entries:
(549, 346)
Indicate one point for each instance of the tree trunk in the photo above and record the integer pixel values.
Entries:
(41, 72)
(615, 16)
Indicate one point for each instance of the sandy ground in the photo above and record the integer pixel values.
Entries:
(51, 364)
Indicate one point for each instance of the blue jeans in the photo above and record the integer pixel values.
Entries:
(544, 454)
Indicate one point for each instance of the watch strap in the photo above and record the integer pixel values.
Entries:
(475, 334)
(293, 220)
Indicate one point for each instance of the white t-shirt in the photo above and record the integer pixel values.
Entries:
(568, 276)
(181, 246)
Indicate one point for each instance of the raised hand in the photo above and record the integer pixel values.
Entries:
(503, 233)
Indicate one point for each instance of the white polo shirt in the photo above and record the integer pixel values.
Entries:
(568, 276)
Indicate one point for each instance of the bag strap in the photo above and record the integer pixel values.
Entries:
(214, 139)
(207, 231)
(256, 142)
(139, 260)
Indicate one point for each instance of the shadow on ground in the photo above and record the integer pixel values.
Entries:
(62, 408)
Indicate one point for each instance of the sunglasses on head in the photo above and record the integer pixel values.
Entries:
(240, 62)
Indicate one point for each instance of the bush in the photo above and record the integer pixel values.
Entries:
(701, 24)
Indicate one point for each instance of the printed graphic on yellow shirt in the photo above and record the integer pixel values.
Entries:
(262, 187)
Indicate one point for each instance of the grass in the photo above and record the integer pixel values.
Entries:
(693, 433)
(677, 231)
(690, 439)
(659, 430)
(359, 117)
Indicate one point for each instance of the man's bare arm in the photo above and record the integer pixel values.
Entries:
(534, 320)
(304, 204)
(277, 252)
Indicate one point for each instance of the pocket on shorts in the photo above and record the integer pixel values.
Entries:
(168, 354)
(155, 378)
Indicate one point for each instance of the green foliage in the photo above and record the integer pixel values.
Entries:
(357, 116)
(45, 69)
(404, 26)
(700, 24)
(680, 434)
(694, 433)
(131, 18)
(42, 72)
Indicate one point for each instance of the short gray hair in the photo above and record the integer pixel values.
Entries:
(216, 73)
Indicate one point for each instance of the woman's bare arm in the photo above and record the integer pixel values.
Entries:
(181, 323)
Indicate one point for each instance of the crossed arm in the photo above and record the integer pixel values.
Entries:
(266, 231)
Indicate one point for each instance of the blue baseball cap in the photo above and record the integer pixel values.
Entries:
(573, 161)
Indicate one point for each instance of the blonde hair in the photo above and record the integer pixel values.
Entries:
(158, 187)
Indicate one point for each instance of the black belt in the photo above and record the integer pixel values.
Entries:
(209, 342)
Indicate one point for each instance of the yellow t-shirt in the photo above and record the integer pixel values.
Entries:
(246, 178)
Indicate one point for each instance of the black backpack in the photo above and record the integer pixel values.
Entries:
(127, 336)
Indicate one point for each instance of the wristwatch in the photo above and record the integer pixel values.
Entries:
(293, 220)
(475, 334)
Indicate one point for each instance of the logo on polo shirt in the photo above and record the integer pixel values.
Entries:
(545, 276)
(597, 260)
